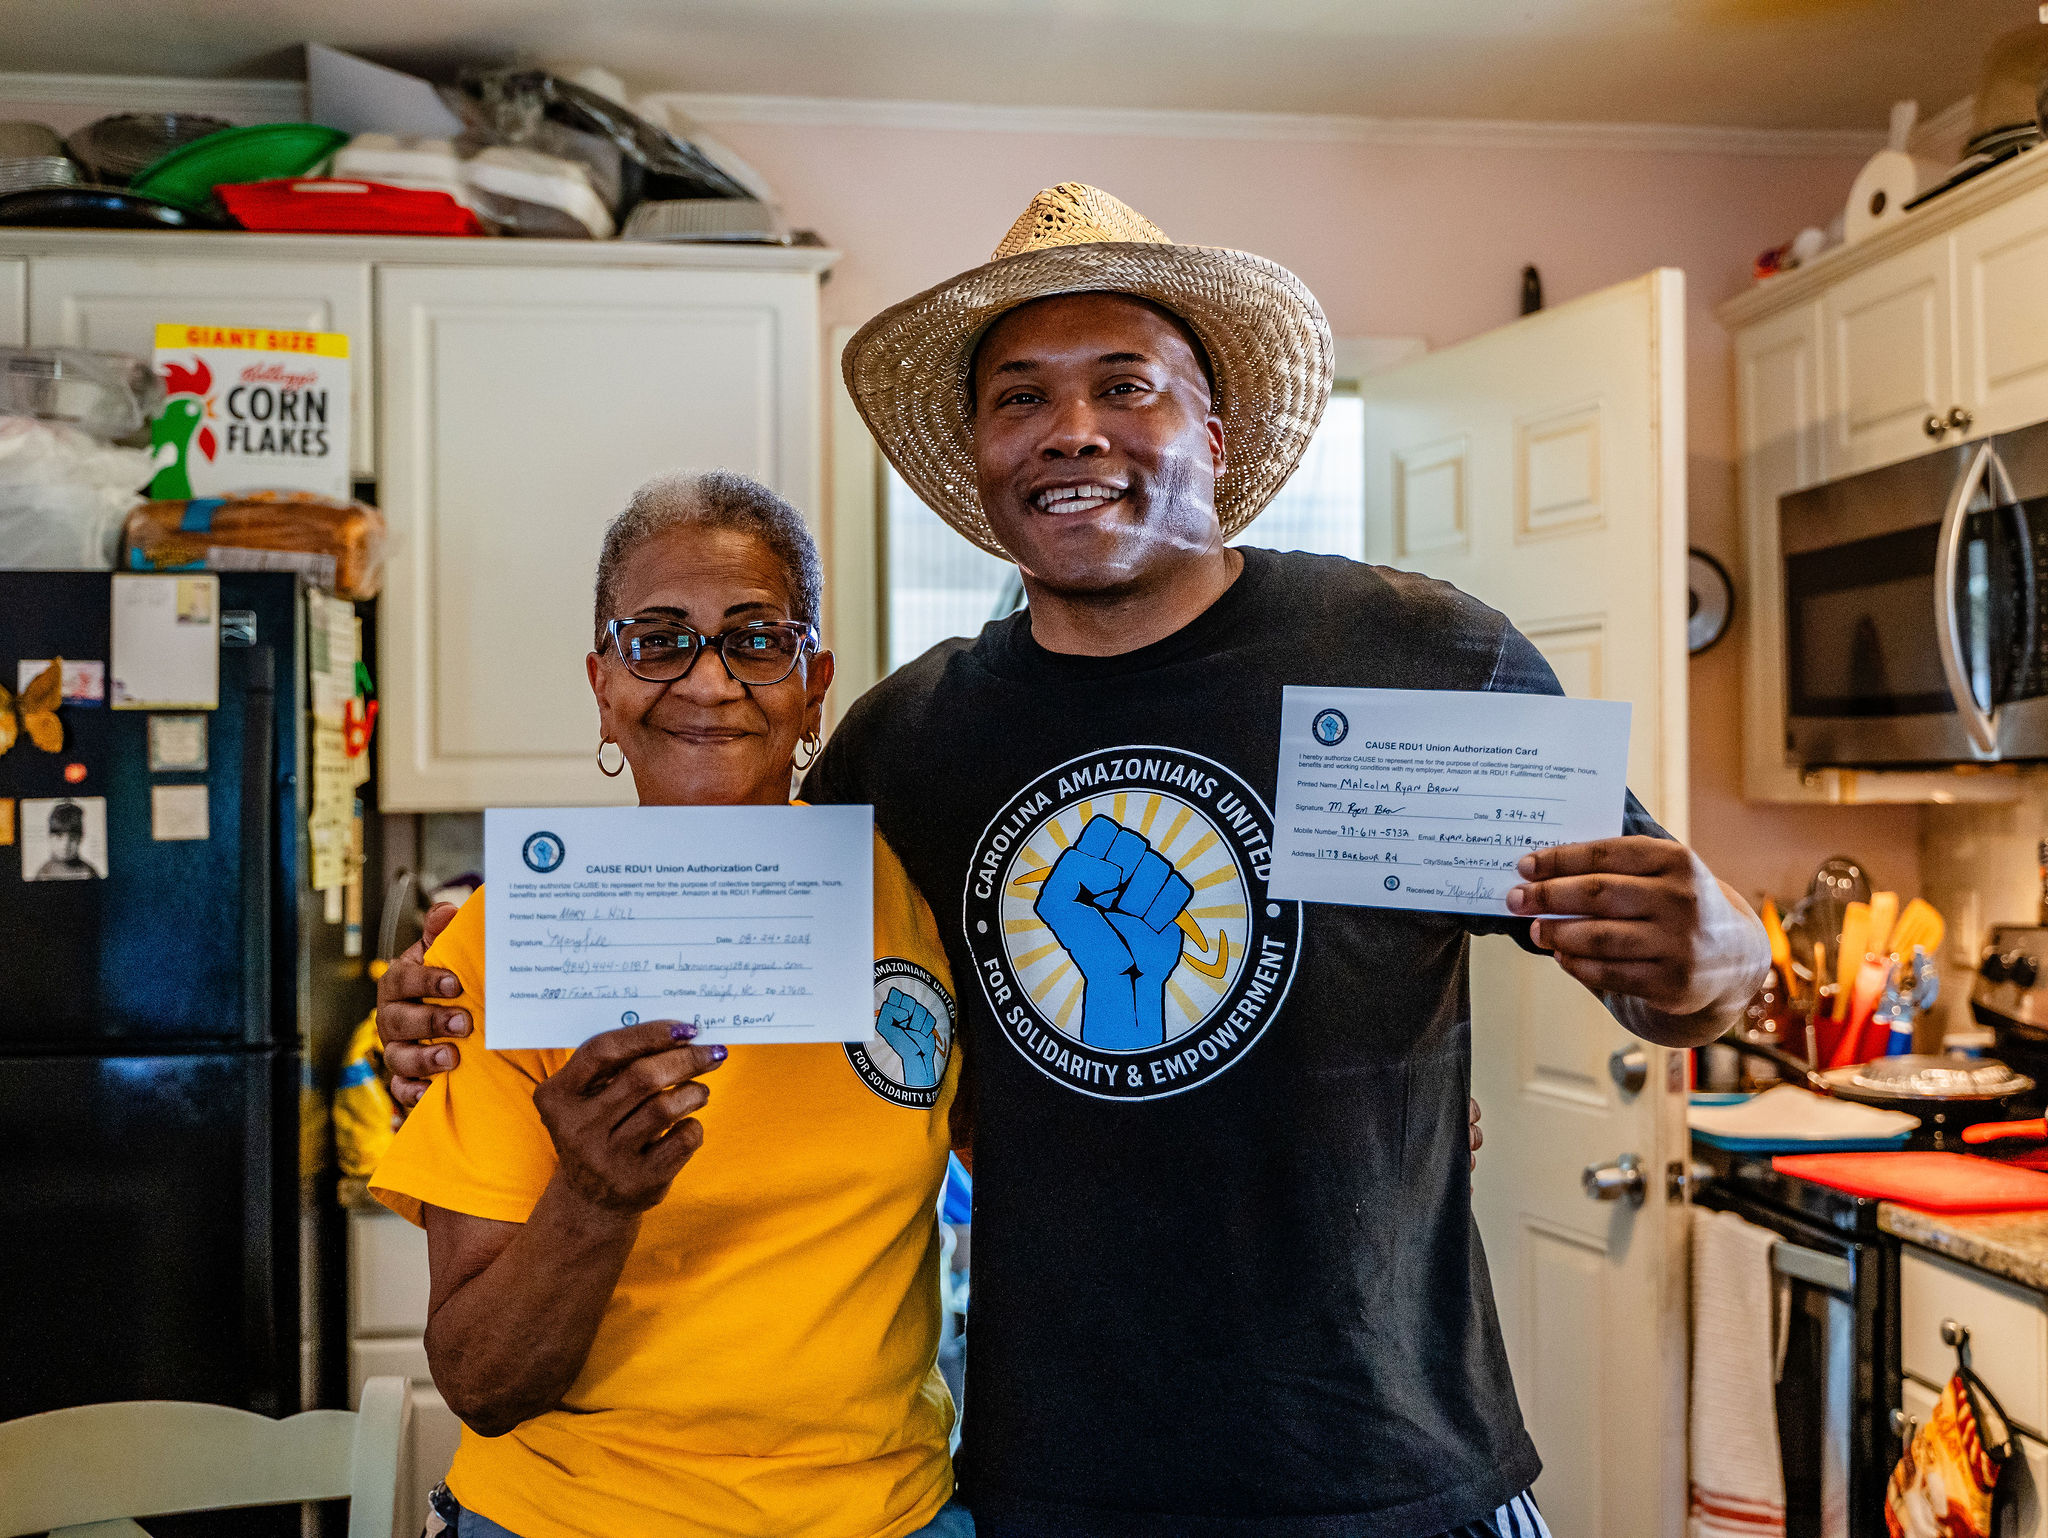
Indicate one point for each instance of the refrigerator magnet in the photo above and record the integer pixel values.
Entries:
(64, 839)
(177, 813)
(85, 683)
(177, 744)
(165, 653)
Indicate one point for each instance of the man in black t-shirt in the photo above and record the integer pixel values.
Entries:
(1226, 1276)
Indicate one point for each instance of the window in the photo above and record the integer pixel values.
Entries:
(1322, 507)
(939, 585)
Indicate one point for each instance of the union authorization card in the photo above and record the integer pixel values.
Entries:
(1427, 798)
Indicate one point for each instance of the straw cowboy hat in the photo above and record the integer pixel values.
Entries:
(1266, 337)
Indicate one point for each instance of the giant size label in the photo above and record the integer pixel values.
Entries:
(1117, 914)
(247, 408)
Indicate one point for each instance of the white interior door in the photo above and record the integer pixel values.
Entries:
(1541, 468)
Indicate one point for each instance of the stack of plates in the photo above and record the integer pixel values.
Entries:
(709, 219)
(115, 148)
(21, 172)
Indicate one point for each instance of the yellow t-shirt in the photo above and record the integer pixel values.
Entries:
(767, 1363)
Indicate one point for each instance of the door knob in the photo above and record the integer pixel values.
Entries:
(1620, 1181)
(1959, 419)
(1934, 426)
(1629, 1067)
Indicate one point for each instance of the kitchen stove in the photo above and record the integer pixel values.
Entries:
(1841, 1361)
(2010, 995)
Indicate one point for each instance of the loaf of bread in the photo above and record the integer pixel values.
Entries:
(339, 546)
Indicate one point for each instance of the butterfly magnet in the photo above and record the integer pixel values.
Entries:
(34, 710)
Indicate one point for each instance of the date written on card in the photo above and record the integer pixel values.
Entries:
(754, 922)
(1426, 798)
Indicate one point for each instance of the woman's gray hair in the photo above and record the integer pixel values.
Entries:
(712, 499)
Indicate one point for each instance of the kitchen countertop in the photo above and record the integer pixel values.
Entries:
(2013, 1245)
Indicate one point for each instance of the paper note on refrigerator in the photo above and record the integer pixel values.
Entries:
(754, 922)
(1427, 798)
(165, 645)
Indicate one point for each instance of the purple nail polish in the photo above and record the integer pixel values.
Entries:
(682, 1031)
(717, 1054)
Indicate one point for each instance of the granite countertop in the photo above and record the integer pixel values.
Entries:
(2013, 1245)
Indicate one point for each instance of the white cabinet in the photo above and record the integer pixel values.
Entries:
(117, 302)
(520, 408)
(1890, 363)
(2001, 310)
(1783, 449)
(13, 303)
(387, 1261)
(2008, 1328)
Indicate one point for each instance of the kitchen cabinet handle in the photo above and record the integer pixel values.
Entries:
(1960, 419)
(1934, 426)
(1979, 723)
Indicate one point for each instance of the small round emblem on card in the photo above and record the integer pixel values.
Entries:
(543, 852)
(1329, 727)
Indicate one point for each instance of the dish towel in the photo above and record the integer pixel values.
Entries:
(1738, 1479)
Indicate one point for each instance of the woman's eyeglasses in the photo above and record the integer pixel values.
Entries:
(661, 651)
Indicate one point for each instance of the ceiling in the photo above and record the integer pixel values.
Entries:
(1748, 63)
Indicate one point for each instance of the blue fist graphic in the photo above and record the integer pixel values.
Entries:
(1113, 903)
(908, 1027)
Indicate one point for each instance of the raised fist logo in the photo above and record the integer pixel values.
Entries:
(912, 1032)
(1114, 903)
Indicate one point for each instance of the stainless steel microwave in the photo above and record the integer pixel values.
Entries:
(1916, 609)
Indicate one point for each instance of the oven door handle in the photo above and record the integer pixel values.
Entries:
(1820, 1268)
(1979, 724)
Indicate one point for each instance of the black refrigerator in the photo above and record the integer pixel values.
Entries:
(160, 1018)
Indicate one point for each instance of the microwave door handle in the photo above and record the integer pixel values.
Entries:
(1979, 724)
(2009, 499)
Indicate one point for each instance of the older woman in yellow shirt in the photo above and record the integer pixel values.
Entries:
(677, 1289)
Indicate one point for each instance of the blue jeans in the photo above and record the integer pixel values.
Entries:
(955, 1521)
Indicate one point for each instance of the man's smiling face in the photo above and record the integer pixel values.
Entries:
(1095, 445)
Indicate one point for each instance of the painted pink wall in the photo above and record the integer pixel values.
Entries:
(1395, 241)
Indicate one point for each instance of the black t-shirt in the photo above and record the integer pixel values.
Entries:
(1226, 1277)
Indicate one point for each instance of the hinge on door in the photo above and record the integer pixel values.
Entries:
(1682, 1178)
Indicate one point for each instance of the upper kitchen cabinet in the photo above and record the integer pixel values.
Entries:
(1777, 369)
(13, 303)
(1930, 333)
(2001, 294)
(519, 409)
(1890, 364)
(116, 302)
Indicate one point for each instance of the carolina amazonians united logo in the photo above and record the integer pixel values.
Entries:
(905, 1060)
(181, 428)
(1118, 918)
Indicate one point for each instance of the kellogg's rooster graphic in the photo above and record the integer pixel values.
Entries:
(180, 429)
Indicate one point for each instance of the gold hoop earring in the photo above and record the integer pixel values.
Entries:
(813, 742)
(610, 774)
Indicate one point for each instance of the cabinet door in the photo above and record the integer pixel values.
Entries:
(1889, 359)
(117, 303)
(13, 303)
(521, 409)
(2002, 314)
(1778, 429)
(2008, 1328)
